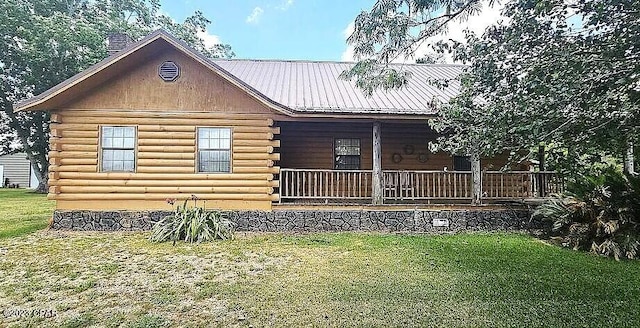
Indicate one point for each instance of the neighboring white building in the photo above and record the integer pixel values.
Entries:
(15, 169)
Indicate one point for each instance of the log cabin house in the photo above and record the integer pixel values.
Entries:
(158, 120)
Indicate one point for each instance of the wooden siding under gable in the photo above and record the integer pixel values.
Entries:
(138, 87)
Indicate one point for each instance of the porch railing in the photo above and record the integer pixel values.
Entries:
(401, 185)
(325, 184)
(518, 185)
(355, 185)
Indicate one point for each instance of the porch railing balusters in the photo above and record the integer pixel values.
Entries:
(402, 186)
(520, 184)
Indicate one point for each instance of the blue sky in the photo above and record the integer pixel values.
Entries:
(276, 29)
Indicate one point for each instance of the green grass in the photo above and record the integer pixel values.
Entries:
(22, 212)
(335, 280)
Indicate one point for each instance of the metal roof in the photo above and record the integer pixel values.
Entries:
(315, 86)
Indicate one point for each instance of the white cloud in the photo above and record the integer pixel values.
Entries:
(348, 55)
(254, 18)
(210, 40)
(285, 5)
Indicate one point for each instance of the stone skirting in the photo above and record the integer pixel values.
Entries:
(106, 220)
(313, 220)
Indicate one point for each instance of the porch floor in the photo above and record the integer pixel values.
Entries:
(401, 207)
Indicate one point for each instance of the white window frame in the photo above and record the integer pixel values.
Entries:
(134, 148)
(199, 144)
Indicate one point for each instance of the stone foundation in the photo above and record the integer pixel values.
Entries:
(313, 220)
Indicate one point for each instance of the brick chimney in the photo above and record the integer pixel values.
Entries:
(117, 41)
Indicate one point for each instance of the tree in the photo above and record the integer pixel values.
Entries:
(392, 30)
(534, 80)
(46, 41)
(539, 80)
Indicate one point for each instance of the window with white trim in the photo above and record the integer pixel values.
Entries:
(118, 147)
(347, 154)
(214, 150)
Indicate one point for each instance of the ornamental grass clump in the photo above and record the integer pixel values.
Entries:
(601, 215)
(192, 224)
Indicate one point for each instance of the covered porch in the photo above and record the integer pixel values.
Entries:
(388, 162)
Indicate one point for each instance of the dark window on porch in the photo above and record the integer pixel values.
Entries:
(461, 163)
(347, 154)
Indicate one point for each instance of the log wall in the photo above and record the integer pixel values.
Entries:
(165, 161)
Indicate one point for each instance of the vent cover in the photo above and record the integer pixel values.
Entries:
(169, 71)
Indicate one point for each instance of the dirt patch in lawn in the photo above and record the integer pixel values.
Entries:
(58, 278)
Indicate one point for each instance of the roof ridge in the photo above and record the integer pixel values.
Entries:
(311, 61)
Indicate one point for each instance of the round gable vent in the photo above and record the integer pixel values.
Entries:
(169, 71)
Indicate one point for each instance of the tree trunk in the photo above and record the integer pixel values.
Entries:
(476, 176)
(377, 192)
(39, 164)
(628, 158)
(43, 180)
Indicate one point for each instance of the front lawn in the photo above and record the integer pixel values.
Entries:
(347, 279)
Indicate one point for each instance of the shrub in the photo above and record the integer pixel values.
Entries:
(600, 214)
(192, 224)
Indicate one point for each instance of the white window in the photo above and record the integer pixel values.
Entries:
(214, 150)
(118, 149)
(347, 154)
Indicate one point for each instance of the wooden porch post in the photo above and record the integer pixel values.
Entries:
(476, 176)
(541, 192)
(541, 157)
(377, 193)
